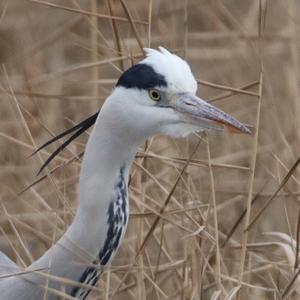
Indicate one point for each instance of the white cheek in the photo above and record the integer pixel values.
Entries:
(179, 130)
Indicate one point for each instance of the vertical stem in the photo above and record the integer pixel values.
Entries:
(117, 39)
(132, 25)
(186, 29)
(294, 50)
(251, 183)
(107, 285)
(94, 48)
(189, 244)
(261, 24)
(214, 207)
(296, 265)
(141, 292)
(150, 21)
(141, 184)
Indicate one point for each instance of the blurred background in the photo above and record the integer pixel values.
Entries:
(61, 59)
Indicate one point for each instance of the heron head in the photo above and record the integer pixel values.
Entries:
(158, 96)
(155, 96)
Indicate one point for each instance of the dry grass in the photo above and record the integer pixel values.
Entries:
(193, 232)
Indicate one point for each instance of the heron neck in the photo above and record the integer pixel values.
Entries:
(109, 153)
(109, 150)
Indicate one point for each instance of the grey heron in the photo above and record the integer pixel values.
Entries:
(155, 96)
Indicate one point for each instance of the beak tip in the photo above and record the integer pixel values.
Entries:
(239, 128)
(243, 129)
(248, 129)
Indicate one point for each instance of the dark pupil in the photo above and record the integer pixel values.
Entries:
(155, 95)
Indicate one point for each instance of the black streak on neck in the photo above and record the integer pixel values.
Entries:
(117, 220)
(117, 216)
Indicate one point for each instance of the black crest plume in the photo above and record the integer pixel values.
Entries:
(78, 128)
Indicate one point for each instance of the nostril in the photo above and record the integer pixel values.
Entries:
(189, 104)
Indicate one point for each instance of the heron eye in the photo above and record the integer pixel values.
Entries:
(154, 95)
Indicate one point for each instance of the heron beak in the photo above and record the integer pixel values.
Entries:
(198, 112)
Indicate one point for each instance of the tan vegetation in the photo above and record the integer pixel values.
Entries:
(59, 62)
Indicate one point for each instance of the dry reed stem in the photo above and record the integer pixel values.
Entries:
(251, 183)
(287, 290)
(231, 93)
(297, 250)
(33, 143)
(53, 75)
(239, 220)
(13, 249)
(194, 162)
(268, 202)
(220, 41)
(94, 47)
(83, 12)
(117, 38)
(20, 239)
(166, 201)
(154, 224)
(215, 221)
(132, 25)
(150, 8)
(2, 15)
(19, 273)
(228, 88)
